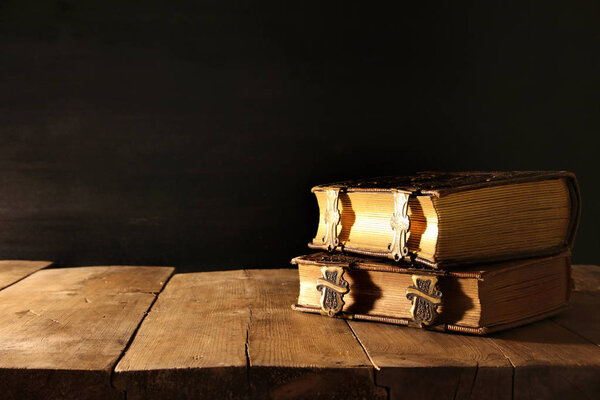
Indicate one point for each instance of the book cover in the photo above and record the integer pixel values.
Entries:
(477, 299)
(450, 218)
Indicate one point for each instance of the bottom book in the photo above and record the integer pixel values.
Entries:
(475, 299)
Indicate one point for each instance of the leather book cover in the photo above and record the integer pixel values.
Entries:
(477, 300)
(445, 219)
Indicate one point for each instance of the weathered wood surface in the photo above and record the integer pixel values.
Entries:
(419, 364)
(551, 362)
(63, 330)
(584, 317)
(12, 271)
(192, 343)
(292, 356)
(233, 335)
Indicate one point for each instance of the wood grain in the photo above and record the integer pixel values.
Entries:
(420, 364)
(296, 355)
(550, 362)
(586, 278)
(233, 335)
(13, 270)
(192, 343)
(557, 359)
(583, 317)
(62, 330)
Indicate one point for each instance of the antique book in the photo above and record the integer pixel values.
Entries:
(477, 299)
(450, 218)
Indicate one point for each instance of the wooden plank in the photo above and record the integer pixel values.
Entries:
(296, 355)
(62, 330)
(192, 344)
(12, 271)
(582, 317)
(420, 364)
(550, 362)
(586, 278)
(233, 335)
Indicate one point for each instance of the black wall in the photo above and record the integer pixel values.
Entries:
(189, 133)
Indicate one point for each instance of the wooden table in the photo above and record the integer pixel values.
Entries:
(142, 333)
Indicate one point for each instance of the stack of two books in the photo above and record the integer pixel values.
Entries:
(466, 252)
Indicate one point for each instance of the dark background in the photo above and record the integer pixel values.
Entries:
(189, 133)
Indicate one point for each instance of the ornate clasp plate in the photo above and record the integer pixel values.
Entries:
(425, 298)
(333, 287)
(400, 223)
(331, 219)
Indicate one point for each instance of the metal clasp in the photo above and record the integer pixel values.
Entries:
(333, 287)
(331, 219)
(425, 298)
(400, 223)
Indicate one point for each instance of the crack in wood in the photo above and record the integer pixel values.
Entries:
(135, 332)
(376, 367)
(512, 365)
(456, 388)
(362, 346)
(247, 347)
(474, 380)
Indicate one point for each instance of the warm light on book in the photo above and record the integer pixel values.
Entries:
(493, 222)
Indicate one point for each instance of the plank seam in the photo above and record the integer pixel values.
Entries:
(362, 346)
(474, 380)
(574, 332)
(135, 332)
(248, 277)
(247, 348)
(25, 277)
(456, 387)
(513, 366)
(376, 367)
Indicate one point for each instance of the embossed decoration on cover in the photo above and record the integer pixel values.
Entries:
(425, 298)
(333, 287)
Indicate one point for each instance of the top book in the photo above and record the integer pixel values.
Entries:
(442, 219)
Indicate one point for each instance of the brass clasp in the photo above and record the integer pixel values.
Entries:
(400, 223)
(331, 219)
(425, 298)
(333, 287)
